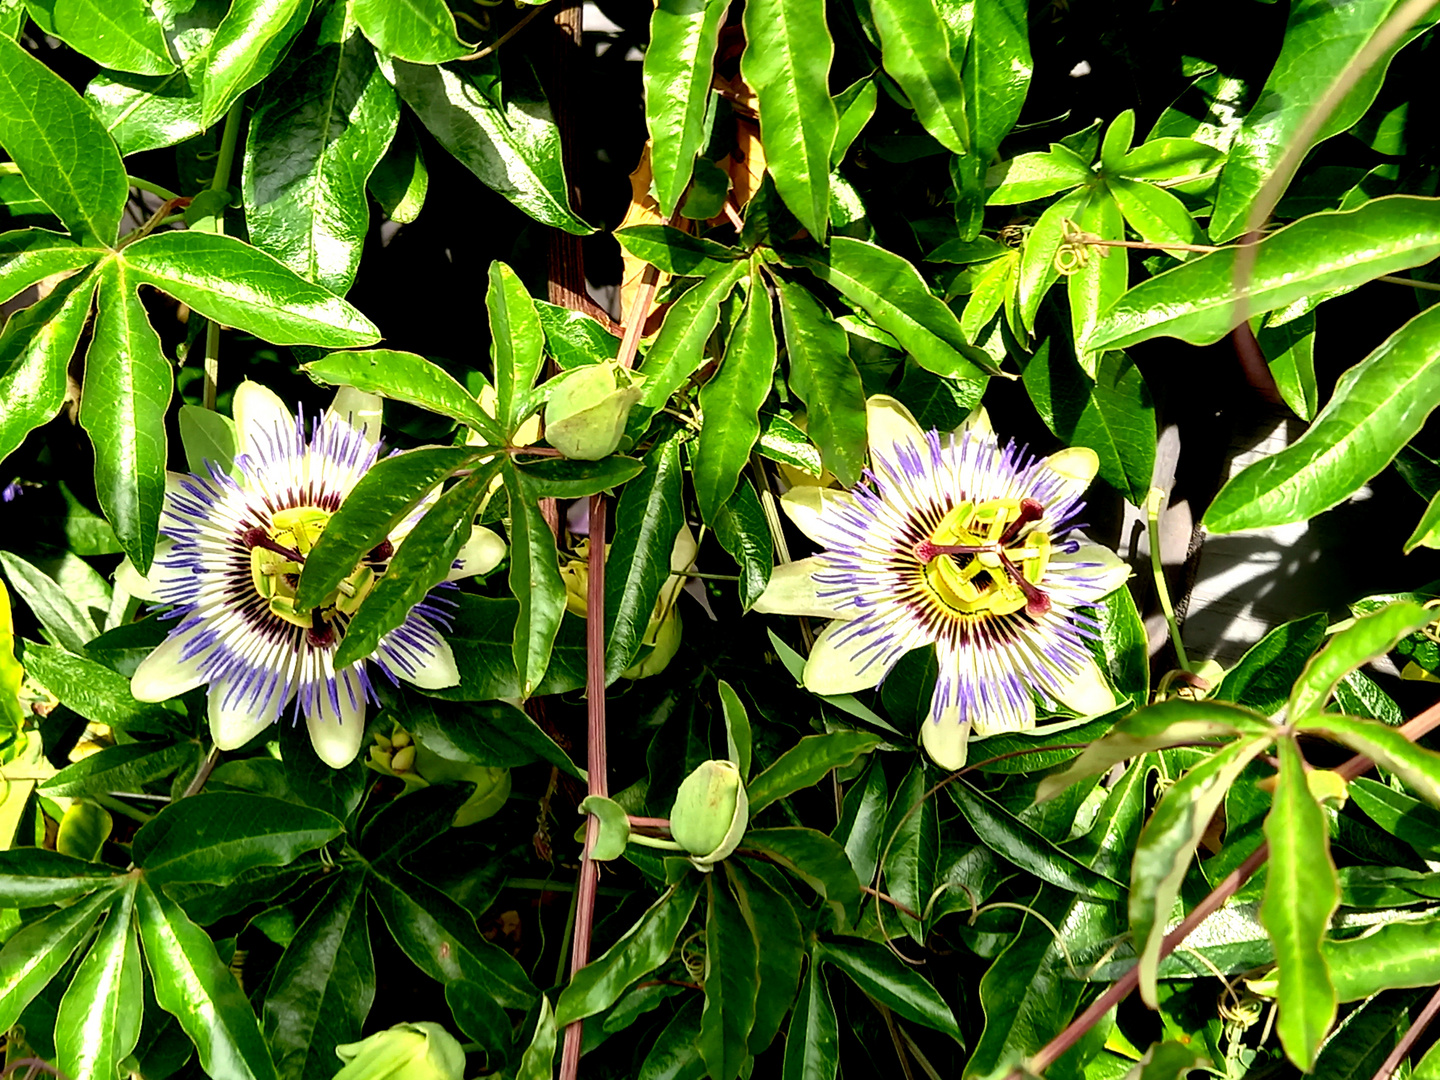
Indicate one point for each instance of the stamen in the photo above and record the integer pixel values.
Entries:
(381, 552)
(321, 634)
(1030, 510)
(925, 551)
(258, 537)
(1037, 601)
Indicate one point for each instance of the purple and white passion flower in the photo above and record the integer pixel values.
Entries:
(953, 540)
(229, 559)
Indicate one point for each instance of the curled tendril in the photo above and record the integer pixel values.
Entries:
(1074, 252)
(692, 955)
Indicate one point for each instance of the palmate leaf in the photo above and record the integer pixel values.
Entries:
(248, 43)
(37, 952)
(98, 1022)
(677, 72)
(732, 981)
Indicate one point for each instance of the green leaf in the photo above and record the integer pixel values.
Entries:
(193, 984)
(483, 641)
(612, 827)
(1101, 279)
(675, 1054)
(123, 36)
(1427, 531)
(1418, 767)
(517, 345)
(787, 63)
(418, 565)
(1263, 677)
(877, 971)
(420, 31)
(732, 979)
(675, 252)
(573, 337)
(731, 403)
(323, 984)
(648, 517)
(780, 440)
(400, 180)
(60, 147)
(1114, 415)
(207, 436)
(997, 72)
(385, 496)
(772, 920)
(37, 951)
(126, 767)
(247, 45)
(1009, 837)
(862, 822)
(1174, 1059)
(1167, 845)
(1289, 351)
(98, 1023)
(60, 617)
(1321, 41)
(232, 283)
(1377, 407)
(812, 1044)
(1405, 818)
(1153, 212)
(1393, 956)
(404, 376)
(742, 530)
(643, 948)
(855, 106)
(218, 835)
(1300, 896)
(513, 148)
(1335, 250)
(537, 1063)
(316, 134)
(28, 256)
(817, 860)
(1037, 257)
(807, 763)
(398, 830)
(824, 377)
(916, 53)
(891, 291)
(1363, 640)
(122, 407)
(1126, 647)
(1030, 177)
(440, 938)
(534, 580)
(562, 478)
(737, 732)
(35, 349)
(678, 67)
(679, 348)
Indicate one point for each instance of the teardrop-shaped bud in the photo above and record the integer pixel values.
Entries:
(710, 813)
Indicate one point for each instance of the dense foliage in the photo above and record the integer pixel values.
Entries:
(623, 791)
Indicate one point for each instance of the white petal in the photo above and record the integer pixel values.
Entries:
(946, 741)
(337, 737)
(1086, 691)
(163, 675)
(1076, 465)
(977, 423)
(482, 553)
(833, 671)
(235, 723)
(134, 582)
(1104, 570)
(792, 592)
(889, 423)
(436, 671)
(360, 410)
(257, 409)
(807, 505)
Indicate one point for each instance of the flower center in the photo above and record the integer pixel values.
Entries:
(982, 558)
(277, 555)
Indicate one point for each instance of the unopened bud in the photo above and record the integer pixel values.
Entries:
(403, 759)
(422, 1051)
(710, 812)
(587, 408)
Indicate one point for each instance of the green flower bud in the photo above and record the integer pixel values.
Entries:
(587, 407)
(422, 1051)
(710, 813)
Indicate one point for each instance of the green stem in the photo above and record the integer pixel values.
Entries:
(224, 165)
(153, 189)
(121, 808)
(704, 577)
(1152, 510)
(566, 936)
(655, 842)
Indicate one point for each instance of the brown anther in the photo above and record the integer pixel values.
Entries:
(1037, 601)
(321, 634)
(1030, 510)
(258, 537)
(381, 552)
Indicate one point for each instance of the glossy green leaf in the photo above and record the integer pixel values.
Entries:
(123, 36)
(534, 580)
(36, 952)
(877, 971)
(1300, 896)
(824, 377)
(1321, 40)
(780, 440)
(732, 980)
(1320, 253)
(1125, 646)
(1377, 407)
(862, 821)
(1401, 954)
(99, 1018)
(1167, 845)
(855, 105)
(1289, 351)
(1009, 837)
(401, 829)
(404, 376)
(418, 565)
(420, 31)
(483, 641)
(62, 150)
(35, 349)
(1119, 135)
(1263, 677)
(676, 253)
(122, 407)
(742, 530)
(562, 478)
(1402, 816)
(1174, 1059)
(323, 985)
(400, 180)
(193, 984)
(28, 256)
(731, 403)
(648, 517)
(787, 63)
(994, 287)
(229, 281)
(996, 72)
(1153, 212)
(517, 345)
(812, 1043)
(1168, 158)
(678, 67)
(1427, 531)
(1418, 767)
(538, 1061)
(807, 763)
(1037, 257)
(916, 53)
(738, 739)
(675, 1054)
(1363, 640)
(514, 149)
(126, 767)
(35, 877)
(207, 437)
(775, 926)
(317, 132)
(1100, 280)
(679, 348)
(817, 860)
(574, 338)
(613, 827)
(1034, 176)
(1114, 414)
(247, 45)
(643, 948)
(62, 620)
(385, 496)
(891, 291)
(219, 835)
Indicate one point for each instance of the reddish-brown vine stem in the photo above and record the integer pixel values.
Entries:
(1407, 1040)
